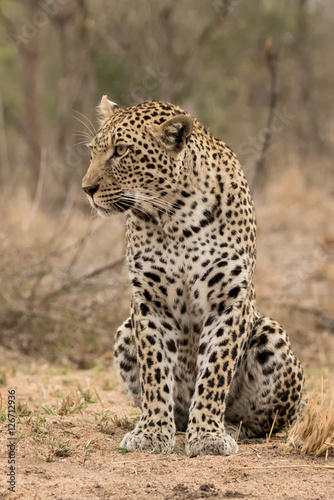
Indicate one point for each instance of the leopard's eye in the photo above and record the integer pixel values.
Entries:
(120, 150)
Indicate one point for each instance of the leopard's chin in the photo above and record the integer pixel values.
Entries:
(101, 211)
(104, 213)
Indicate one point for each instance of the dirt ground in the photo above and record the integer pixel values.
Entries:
(68, 432)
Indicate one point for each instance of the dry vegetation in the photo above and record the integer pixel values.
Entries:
(313, 433)
(64, 286)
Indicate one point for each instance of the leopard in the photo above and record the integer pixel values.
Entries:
(195, 354)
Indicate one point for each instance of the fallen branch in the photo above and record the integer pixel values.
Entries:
(297, 466)
(145, 460)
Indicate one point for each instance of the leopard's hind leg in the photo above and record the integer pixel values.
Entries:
(268, 380)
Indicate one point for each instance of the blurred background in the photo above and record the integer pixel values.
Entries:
(259, 75)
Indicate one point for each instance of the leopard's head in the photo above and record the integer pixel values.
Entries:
(137, 157)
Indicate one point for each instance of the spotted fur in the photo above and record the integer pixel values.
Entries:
(195, 354)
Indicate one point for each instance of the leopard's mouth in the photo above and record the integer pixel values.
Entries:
(120, 206)
(123, 205)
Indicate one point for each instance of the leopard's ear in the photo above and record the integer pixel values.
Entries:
(106, 109)
(174, 133)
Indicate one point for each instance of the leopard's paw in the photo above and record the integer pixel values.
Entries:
(211, 443)
(140, 439)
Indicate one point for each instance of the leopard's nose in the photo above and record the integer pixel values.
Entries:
(91, 190)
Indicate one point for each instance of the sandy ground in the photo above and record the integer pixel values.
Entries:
(75, 455)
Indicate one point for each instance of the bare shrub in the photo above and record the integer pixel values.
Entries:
(63, 290)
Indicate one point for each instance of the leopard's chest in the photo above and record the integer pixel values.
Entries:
(177, 276)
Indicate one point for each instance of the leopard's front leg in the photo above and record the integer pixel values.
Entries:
(156, 355)
(219, 350)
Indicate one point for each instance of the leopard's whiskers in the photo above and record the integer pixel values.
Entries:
(91, 127)
(92, 132)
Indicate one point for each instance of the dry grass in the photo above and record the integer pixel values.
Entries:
(61, 296)
(107, 422)
(313, 433)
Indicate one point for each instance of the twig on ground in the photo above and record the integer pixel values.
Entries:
(296, 466)
(272, 428)
(145, 460)
(256, 453)
(238, 433)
